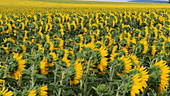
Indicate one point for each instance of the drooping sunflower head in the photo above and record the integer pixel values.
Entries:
(19, 67)
(103, 51)
(10, 39)
(5, 92)
(103, 59)
(136, 86)
(1, 81)
(108, 41)
(47, 38)
(43, 90)
(164, 76)
(134, 59)
(78, 72)
(127, 64)
(143, 75)
(43, 66)
(32, 93)
(153, 50)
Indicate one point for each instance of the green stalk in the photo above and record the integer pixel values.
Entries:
(143, 93)
(61, 83)
(117, 93)
(81, 87)
(111, 76)
(55, 76)
(86, 80)
(5, 73)
(32, 75)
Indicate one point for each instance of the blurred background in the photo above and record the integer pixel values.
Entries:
(152, 1)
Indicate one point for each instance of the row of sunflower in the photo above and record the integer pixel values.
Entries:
(103, 53)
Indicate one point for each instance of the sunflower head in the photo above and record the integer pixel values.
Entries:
(136, 86)
(159, 77)
(5, 92)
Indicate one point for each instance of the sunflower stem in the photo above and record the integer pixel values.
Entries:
(81, 84)
(111, 76)
(61, 83)
(5, 75)
(32, 76)
(55, 75)
(81, 87)
(143, 93)
(33, 73)
(86, 80)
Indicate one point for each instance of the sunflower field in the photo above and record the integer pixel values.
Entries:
(84, 51)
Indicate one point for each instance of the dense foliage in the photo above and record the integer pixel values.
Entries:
(85, 52)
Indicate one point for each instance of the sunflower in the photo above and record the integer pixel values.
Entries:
(55, 36)
(1, 81)
(51, 46)
(145, 45)
(133, 40)
(68, 25)
(110, 41)
(79, 72)
(4, 92)
(1, 66)
(15, 32)
(62, 31)
(103, 64)
(134, 59)
(125, 51)
(10, 39)
(136, 87)
(23, 26)
(5, 48)
(114, 49)
(47, 38)
(40, 33)
(101, 43)
(103, 61)
(43, 90)
(128, 42)
(32, 93)
(146, 31)
(50, 27)
(65, 57)
(92, 39)
(61, 43)
(43, 66)
(9, 28)
(164, 76)
(113, 54)
(82, 25)
(54, 57)
(40, 47)
(17, 74)
(156, 32)
(153, 50)
(89, 45)
(127, 64)
(46, 27)
(25, 36)
(144, 75)
(23, 48)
